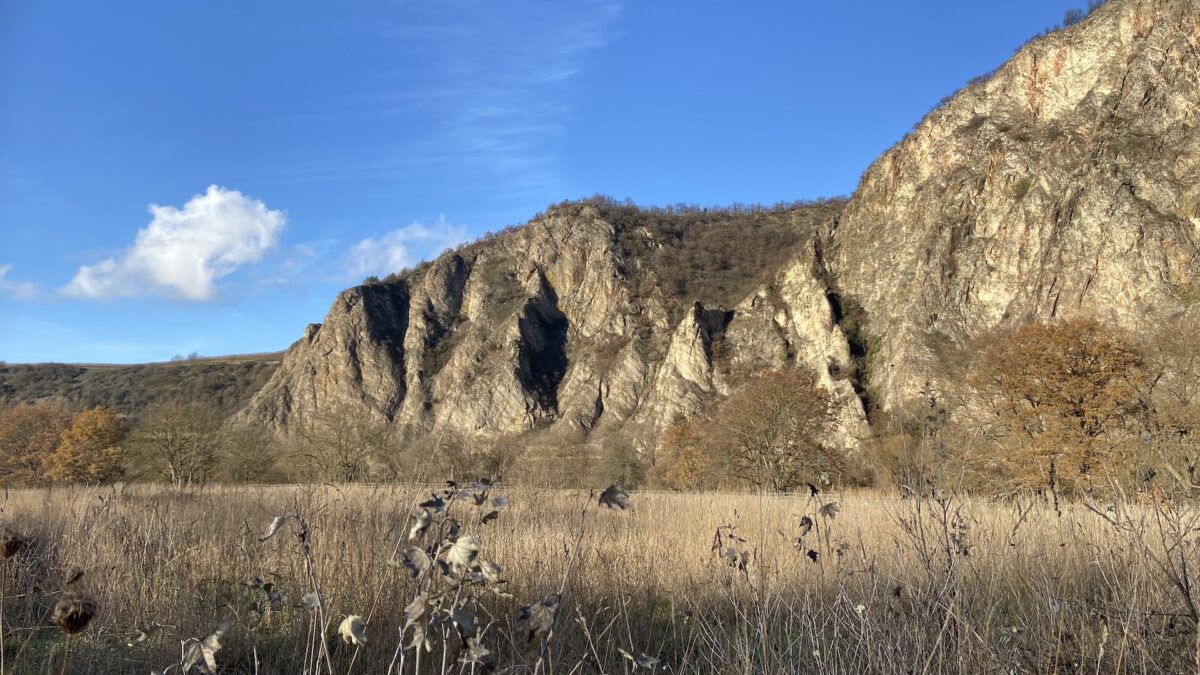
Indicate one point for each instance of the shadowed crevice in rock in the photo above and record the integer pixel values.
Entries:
(542, 348)
(387, 325)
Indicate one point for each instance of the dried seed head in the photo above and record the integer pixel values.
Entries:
(72, 575)
(539, 617)
(421, 521)
(73, 612)
(11, 542)
(806, 525)
(614, 497)
(202, 654)
(830, 510)
(353, 630)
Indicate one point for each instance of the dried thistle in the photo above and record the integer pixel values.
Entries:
(353, 630)
(203, 653)
(539, 618)
(416, 616)
(415, 560)
(73, 612)
(830, 510)
(11, 542)
(421, 523)
(614, 497)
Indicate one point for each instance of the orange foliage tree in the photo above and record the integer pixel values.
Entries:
(1066, 393)
(29, 433)
(90, 450)
(695, 462)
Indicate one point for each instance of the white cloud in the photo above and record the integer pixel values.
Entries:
(21, 290)
(182, 252)
(392, 252)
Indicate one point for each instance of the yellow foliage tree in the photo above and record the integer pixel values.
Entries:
(694, 463)
(28, 434)
(1066, 392)
(90, 450)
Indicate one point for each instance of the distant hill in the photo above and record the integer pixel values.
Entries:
(226, 382)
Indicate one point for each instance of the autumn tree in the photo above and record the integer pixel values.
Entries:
(29, 433)
(90, 450)
(1064, 393)
(776, 431)
(694, 461)
(178, 442)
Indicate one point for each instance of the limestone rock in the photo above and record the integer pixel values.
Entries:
(1068, 183)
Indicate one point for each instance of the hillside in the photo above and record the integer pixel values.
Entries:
(227, 383)
(1067, 183)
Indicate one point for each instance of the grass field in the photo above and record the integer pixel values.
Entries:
(886, 585)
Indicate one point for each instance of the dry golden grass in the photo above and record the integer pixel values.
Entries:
(898, 585)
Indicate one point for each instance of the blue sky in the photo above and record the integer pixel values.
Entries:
(182, 177)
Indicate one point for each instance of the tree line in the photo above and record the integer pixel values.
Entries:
(179, 443)
(1066, 409)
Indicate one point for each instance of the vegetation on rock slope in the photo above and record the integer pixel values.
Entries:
(225, 383)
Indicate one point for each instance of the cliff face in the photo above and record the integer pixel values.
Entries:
(564, 323)
(1068, 183)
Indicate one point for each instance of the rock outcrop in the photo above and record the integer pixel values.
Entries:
(555, 325)
(1067, 183)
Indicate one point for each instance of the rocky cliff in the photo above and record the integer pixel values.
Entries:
(596, 314)
(1066, 183)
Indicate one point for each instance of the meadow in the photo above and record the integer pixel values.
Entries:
(853, 582)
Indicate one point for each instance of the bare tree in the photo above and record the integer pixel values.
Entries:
(341, 444)
(248, 455)
(179, 441)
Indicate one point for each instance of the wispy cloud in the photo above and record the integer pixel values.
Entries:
(21, 290)
(392, 252)
(184, 251)
(490, 102)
